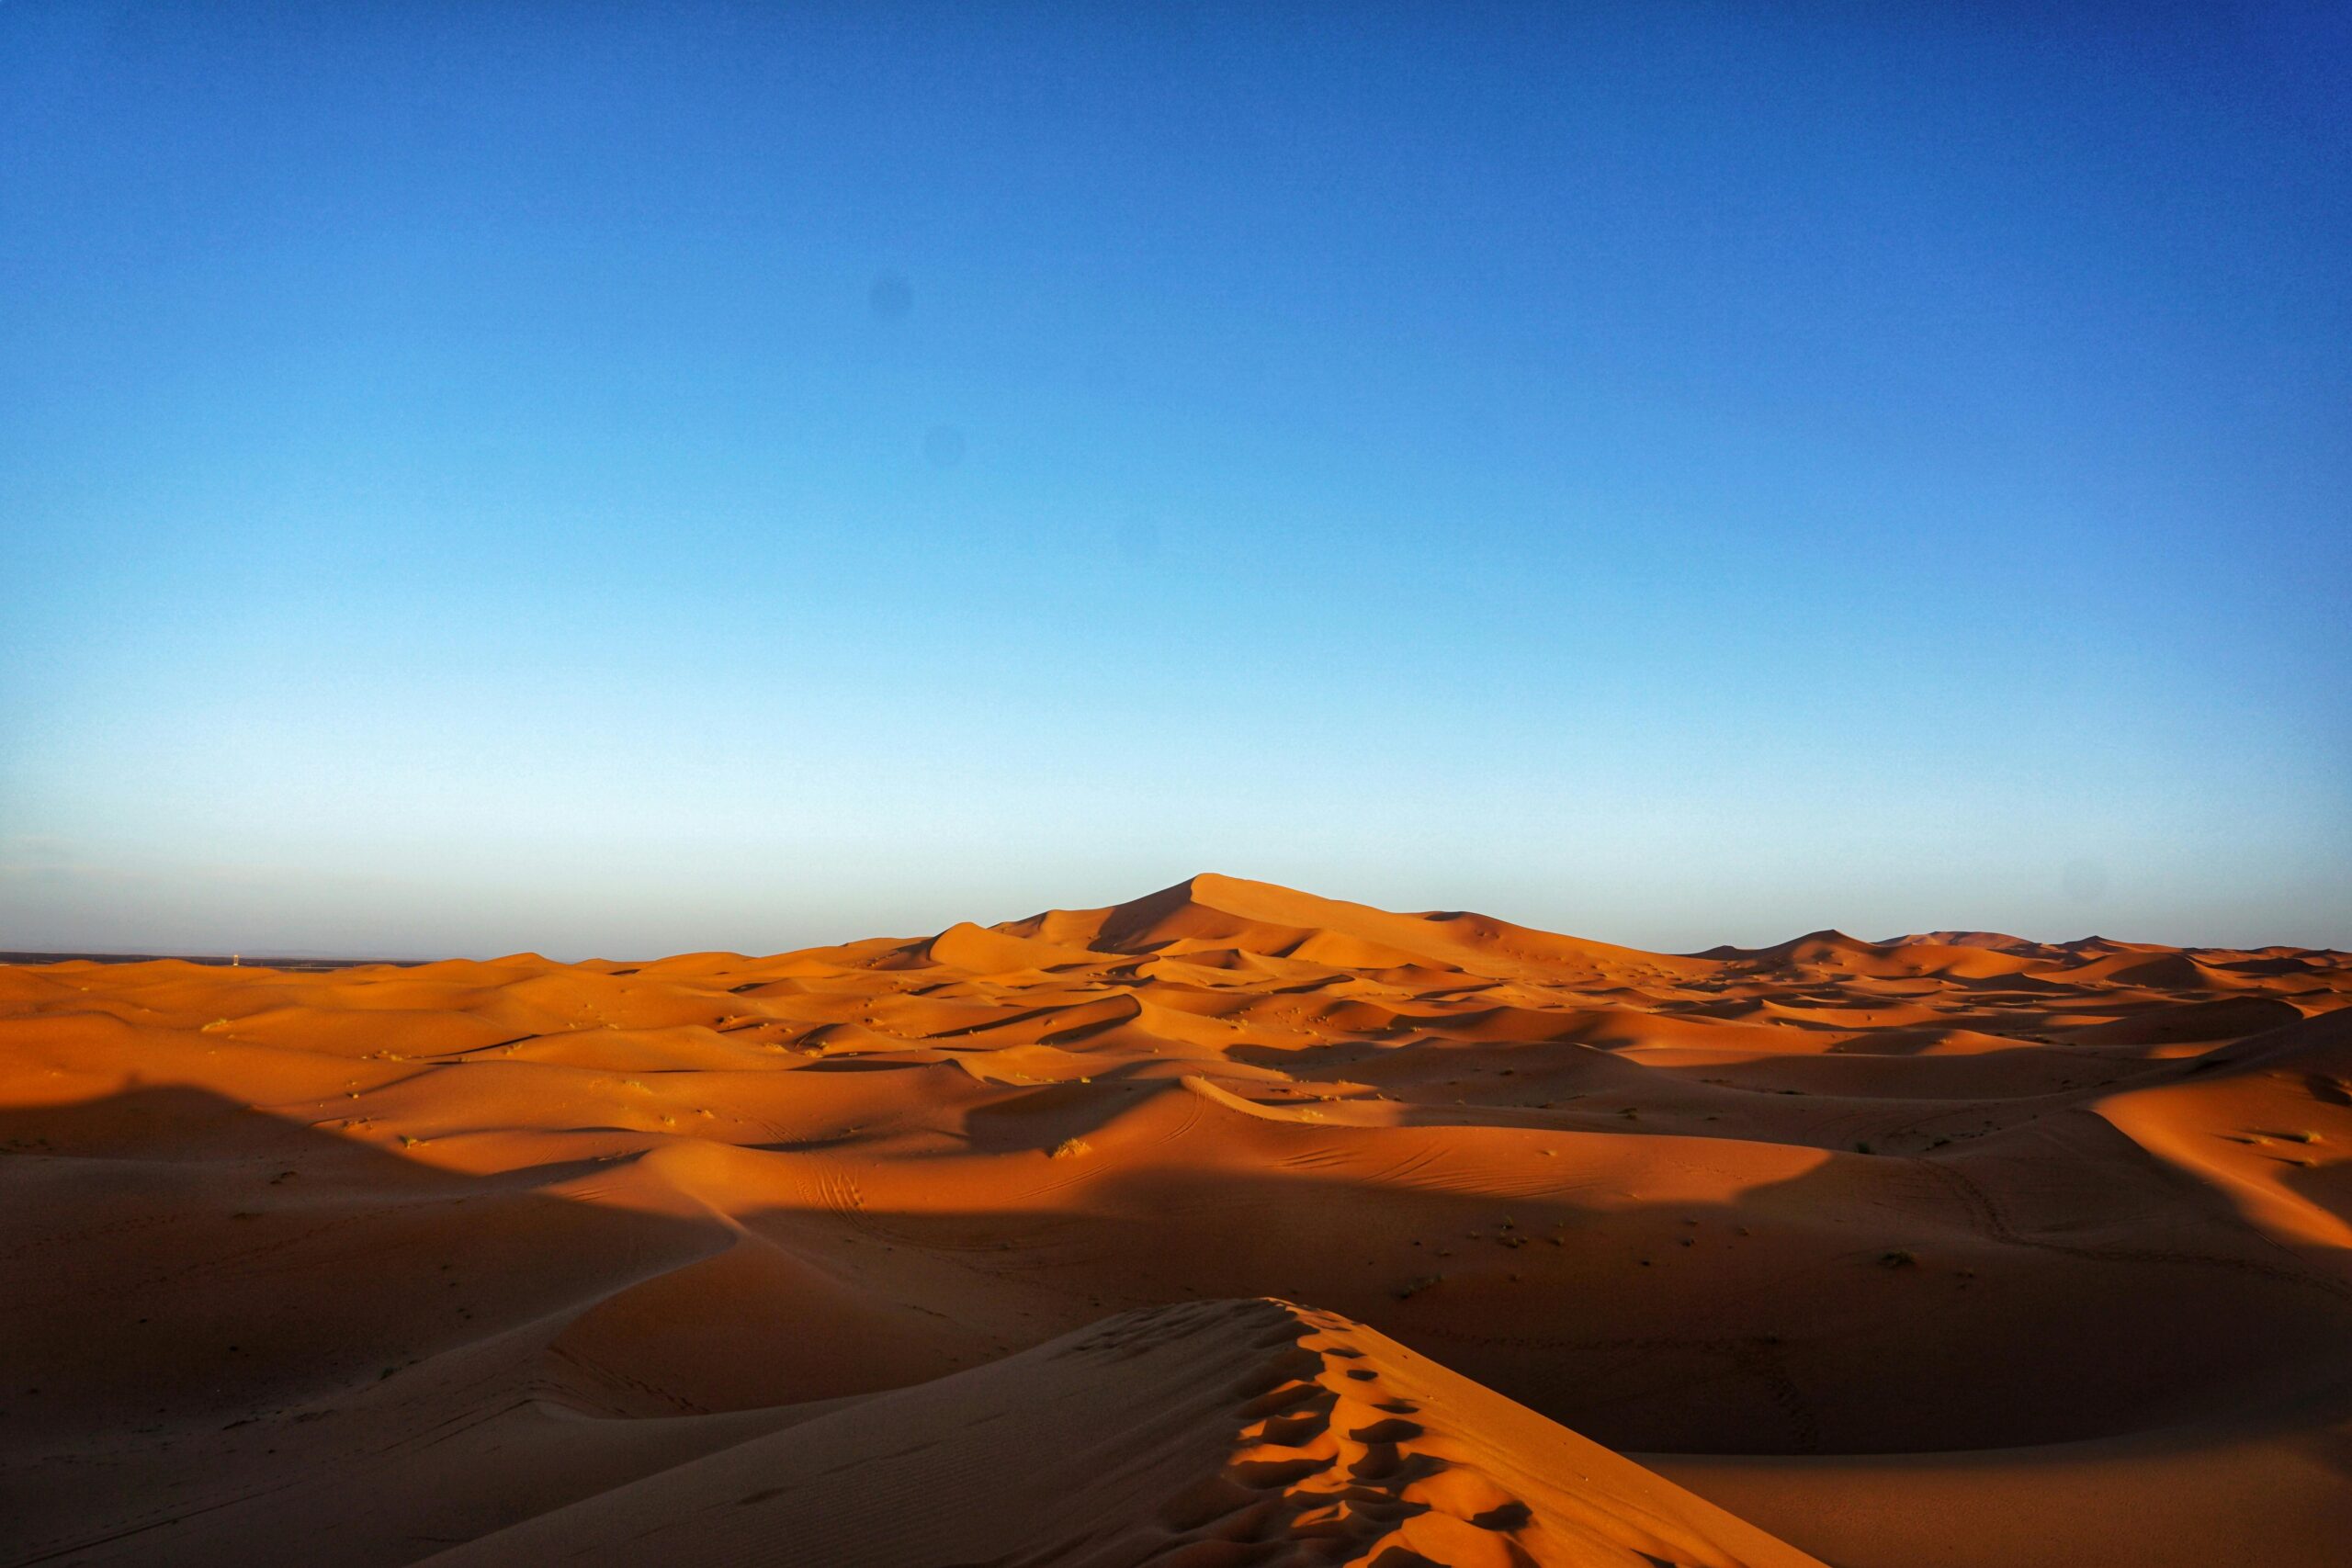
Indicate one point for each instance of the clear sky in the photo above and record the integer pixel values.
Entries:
(621, 479)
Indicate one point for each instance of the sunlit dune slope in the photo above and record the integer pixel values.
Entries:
(1206, 1432)
(361, 1265)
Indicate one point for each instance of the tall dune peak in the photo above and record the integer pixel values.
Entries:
(1210, 910)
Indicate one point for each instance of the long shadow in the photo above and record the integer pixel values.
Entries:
(206, 1303)
(1864, 1306)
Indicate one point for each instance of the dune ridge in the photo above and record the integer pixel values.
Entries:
(1204, 1432)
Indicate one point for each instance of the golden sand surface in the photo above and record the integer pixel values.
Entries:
(1230, 1225)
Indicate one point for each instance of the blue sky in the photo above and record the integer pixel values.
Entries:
(623, 479)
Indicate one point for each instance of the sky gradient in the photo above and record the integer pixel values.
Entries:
(629, 480)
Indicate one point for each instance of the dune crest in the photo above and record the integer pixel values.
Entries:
(1207, 1432)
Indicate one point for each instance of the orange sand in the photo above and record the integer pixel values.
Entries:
(981, 1248)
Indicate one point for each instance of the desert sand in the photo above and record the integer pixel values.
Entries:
(1230, 1225)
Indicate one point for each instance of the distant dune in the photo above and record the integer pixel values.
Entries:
(1229, 1226)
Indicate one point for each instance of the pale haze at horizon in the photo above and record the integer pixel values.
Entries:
(705, 479)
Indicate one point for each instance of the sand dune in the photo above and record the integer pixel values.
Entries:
(956, 1248)
(1206, 1432)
